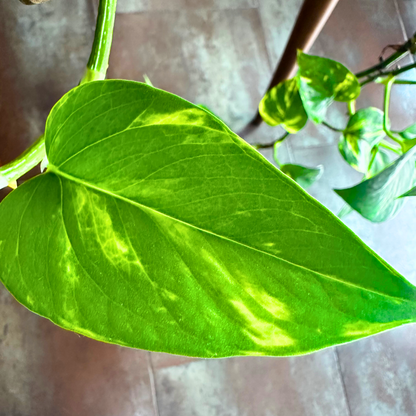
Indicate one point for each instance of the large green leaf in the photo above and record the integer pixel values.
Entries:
(282, 105)
(157, 227)
(322, 81)
(364, 131)
(377, 198)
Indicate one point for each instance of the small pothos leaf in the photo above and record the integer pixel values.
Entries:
(408, 137)
(282, 106)
(156, 227)
(322, 81)
(363, 132)
(304, 176)
(377, 198)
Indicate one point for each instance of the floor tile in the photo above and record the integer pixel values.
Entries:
(132, 6)
(44, 50)
(47, 371)
(253, 386)
(379, 373)
(278, 18)
(407, 10)
(216, 58)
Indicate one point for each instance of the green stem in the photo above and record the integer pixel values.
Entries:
(271, 144)
(22, 164)
(387, 94)
(403, 70)
(390, 147)
(351, 107)
(405, 82)
(408, 47)
(389, 73)
(100, 53)
(391, 60)
(96, 70)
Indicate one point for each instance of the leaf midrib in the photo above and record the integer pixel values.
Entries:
(53, 169)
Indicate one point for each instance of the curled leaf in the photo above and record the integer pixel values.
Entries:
(282, 105)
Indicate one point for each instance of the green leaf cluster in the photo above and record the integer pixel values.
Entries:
(156, 227)
(318, 83)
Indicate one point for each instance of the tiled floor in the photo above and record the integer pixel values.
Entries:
(220, 53)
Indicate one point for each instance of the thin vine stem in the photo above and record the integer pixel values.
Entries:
(404, 82)
(408, 47)
(386, 63)
(31, 157)
(271, 144)
(351, 107)
(96, 70)
(329, 126)
(393, 73)
(389, 146)
(387, 94)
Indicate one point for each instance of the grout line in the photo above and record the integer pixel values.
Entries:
(266, 43)
(190, 10)
(344, 389)
(399, 15)
(402, 26)
(151, 372)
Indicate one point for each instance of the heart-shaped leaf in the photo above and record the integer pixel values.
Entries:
(156, 227)
(304, 176)
(377, 198)
(364, 131)
(322, 81)
(282, 105)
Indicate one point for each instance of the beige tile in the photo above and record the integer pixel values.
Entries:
(278, 18)
(380, 375)
(44, 50)
(133, 6)
(216, 58)
(47, 371)
(407, 9)
(248, 386)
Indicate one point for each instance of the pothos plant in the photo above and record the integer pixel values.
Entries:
(367, 143)
(154, 226)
